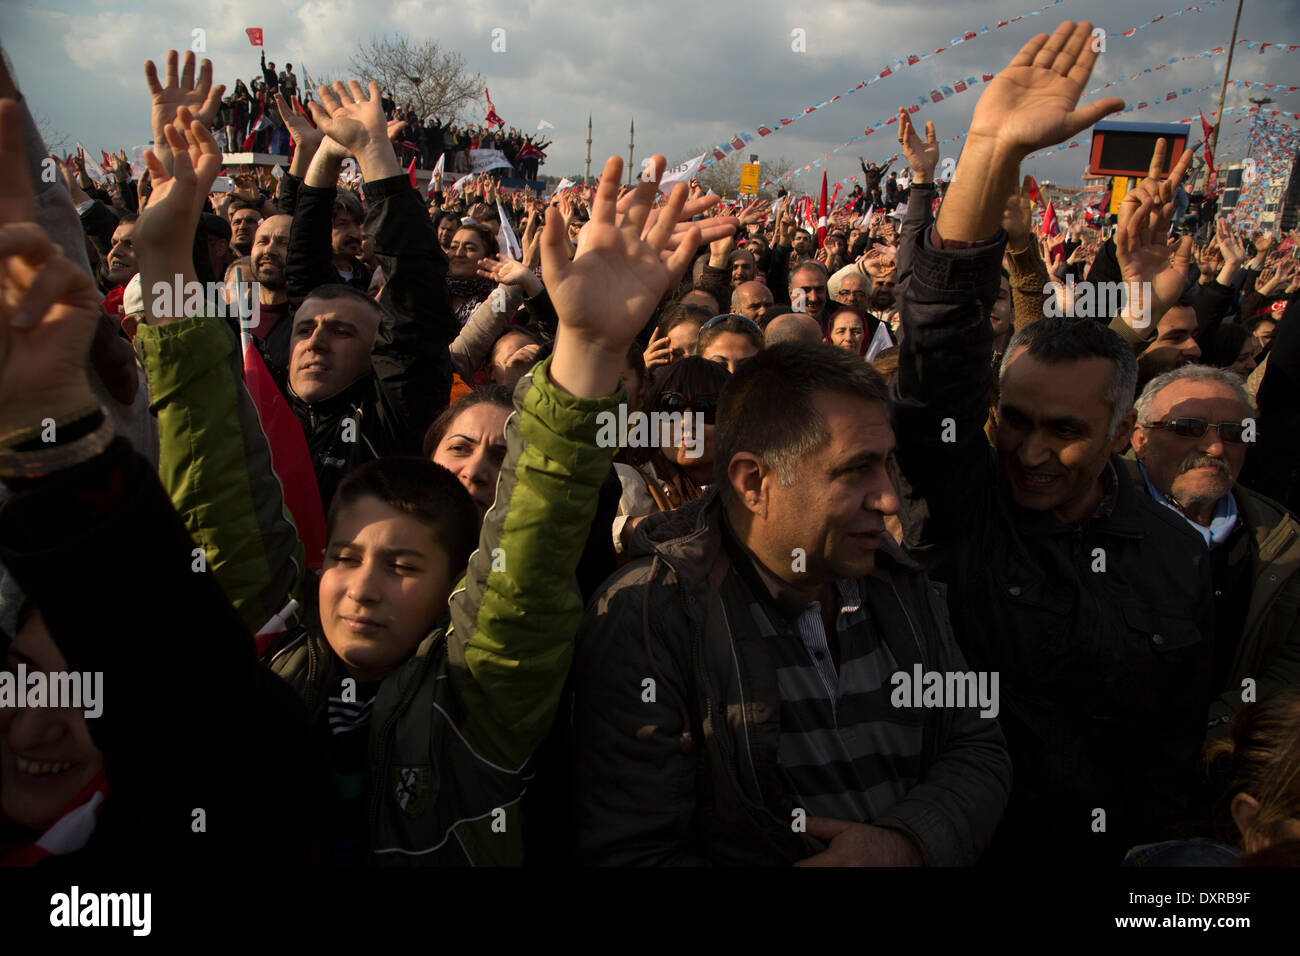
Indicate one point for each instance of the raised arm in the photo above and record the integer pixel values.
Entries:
(410, 355)
(214, 460)
(515, 618)
(943, 380)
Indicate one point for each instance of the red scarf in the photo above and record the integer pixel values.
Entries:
(69, 833)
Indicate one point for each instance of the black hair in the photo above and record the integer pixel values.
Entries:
(767, 408)
(483, 395)
(333, 291)
(693, 377)
(1225, 345)
(421, 489)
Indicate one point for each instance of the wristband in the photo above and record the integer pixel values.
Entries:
(59, 456)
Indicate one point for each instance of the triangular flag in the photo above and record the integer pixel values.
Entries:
(545, 125)
(506, 239)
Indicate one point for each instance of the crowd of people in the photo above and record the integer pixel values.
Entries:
(908, 549)
(250, 119)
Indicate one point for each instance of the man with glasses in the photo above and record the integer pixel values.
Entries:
(1194, 426)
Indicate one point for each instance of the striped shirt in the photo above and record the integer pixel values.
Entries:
(845, 751)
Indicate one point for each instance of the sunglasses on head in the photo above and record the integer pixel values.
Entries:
(1197, 427)
(730, 315)
(677, 402)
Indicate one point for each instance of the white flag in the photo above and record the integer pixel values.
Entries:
(435, 181)
(277, 172)
(681, 174)
(481, 160)
(93, 169)
(506, 236)
(455, 187)
(866, 220)
(880, 341)
(565, 183)
(545, 125)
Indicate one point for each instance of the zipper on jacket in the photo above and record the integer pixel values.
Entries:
(380, 772)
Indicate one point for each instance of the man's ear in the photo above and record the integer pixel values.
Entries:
(1139, 441)
(745, 474)
(1244, 809)
(1123, 433)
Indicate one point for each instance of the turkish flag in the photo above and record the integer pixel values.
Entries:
(821, 215)
(254, 35)
(290, 457)
(410, 171)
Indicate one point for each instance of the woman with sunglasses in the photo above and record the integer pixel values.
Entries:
(667, 476)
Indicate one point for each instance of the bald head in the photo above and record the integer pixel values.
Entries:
(792, 327)
(750, 298)
(270, 246)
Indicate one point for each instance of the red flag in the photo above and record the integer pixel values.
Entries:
(254, 35)
(1035, 198)
(492, 118)
(410, 171)
(821, 215)
(254, 126)
(1049, 227)
(289, 455)
(1208, 130)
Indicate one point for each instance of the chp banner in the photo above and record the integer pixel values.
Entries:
(481, 160)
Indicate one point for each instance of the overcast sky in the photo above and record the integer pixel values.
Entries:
(690, 73)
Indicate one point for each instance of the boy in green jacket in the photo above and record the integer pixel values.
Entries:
(432, 718)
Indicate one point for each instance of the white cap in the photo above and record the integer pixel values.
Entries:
(133, 296)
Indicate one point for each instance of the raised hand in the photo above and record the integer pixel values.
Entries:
(201, 98)
(1159, 189)
(301, 132)
(510, 272)
(921, 156)
(1034, 101)
(1234, 253)
(48, 306)
(359, 126)
(1017, 219)
(164, 233)
(658, 352)
(1146, 264)
(753, 212)
(605, 296)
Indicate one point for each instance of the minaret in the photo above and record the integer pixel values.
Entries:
(586, 166)
(631, 144)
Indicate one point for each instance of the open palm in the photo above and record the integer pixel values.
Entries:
(201, 97)
(1032, 103)
(349, 118)
(178, 196)
(607, 293)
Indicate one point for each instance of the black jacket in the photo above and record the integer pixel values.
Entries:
(1105, 674)
(190, 719)
(692, 777)
(387, 411)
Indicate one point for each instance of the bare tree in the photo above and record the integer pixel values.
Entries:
(723, 176)
(422, 73)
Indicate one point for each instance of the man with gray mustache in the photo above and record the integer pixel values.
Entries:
(1194, 427)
